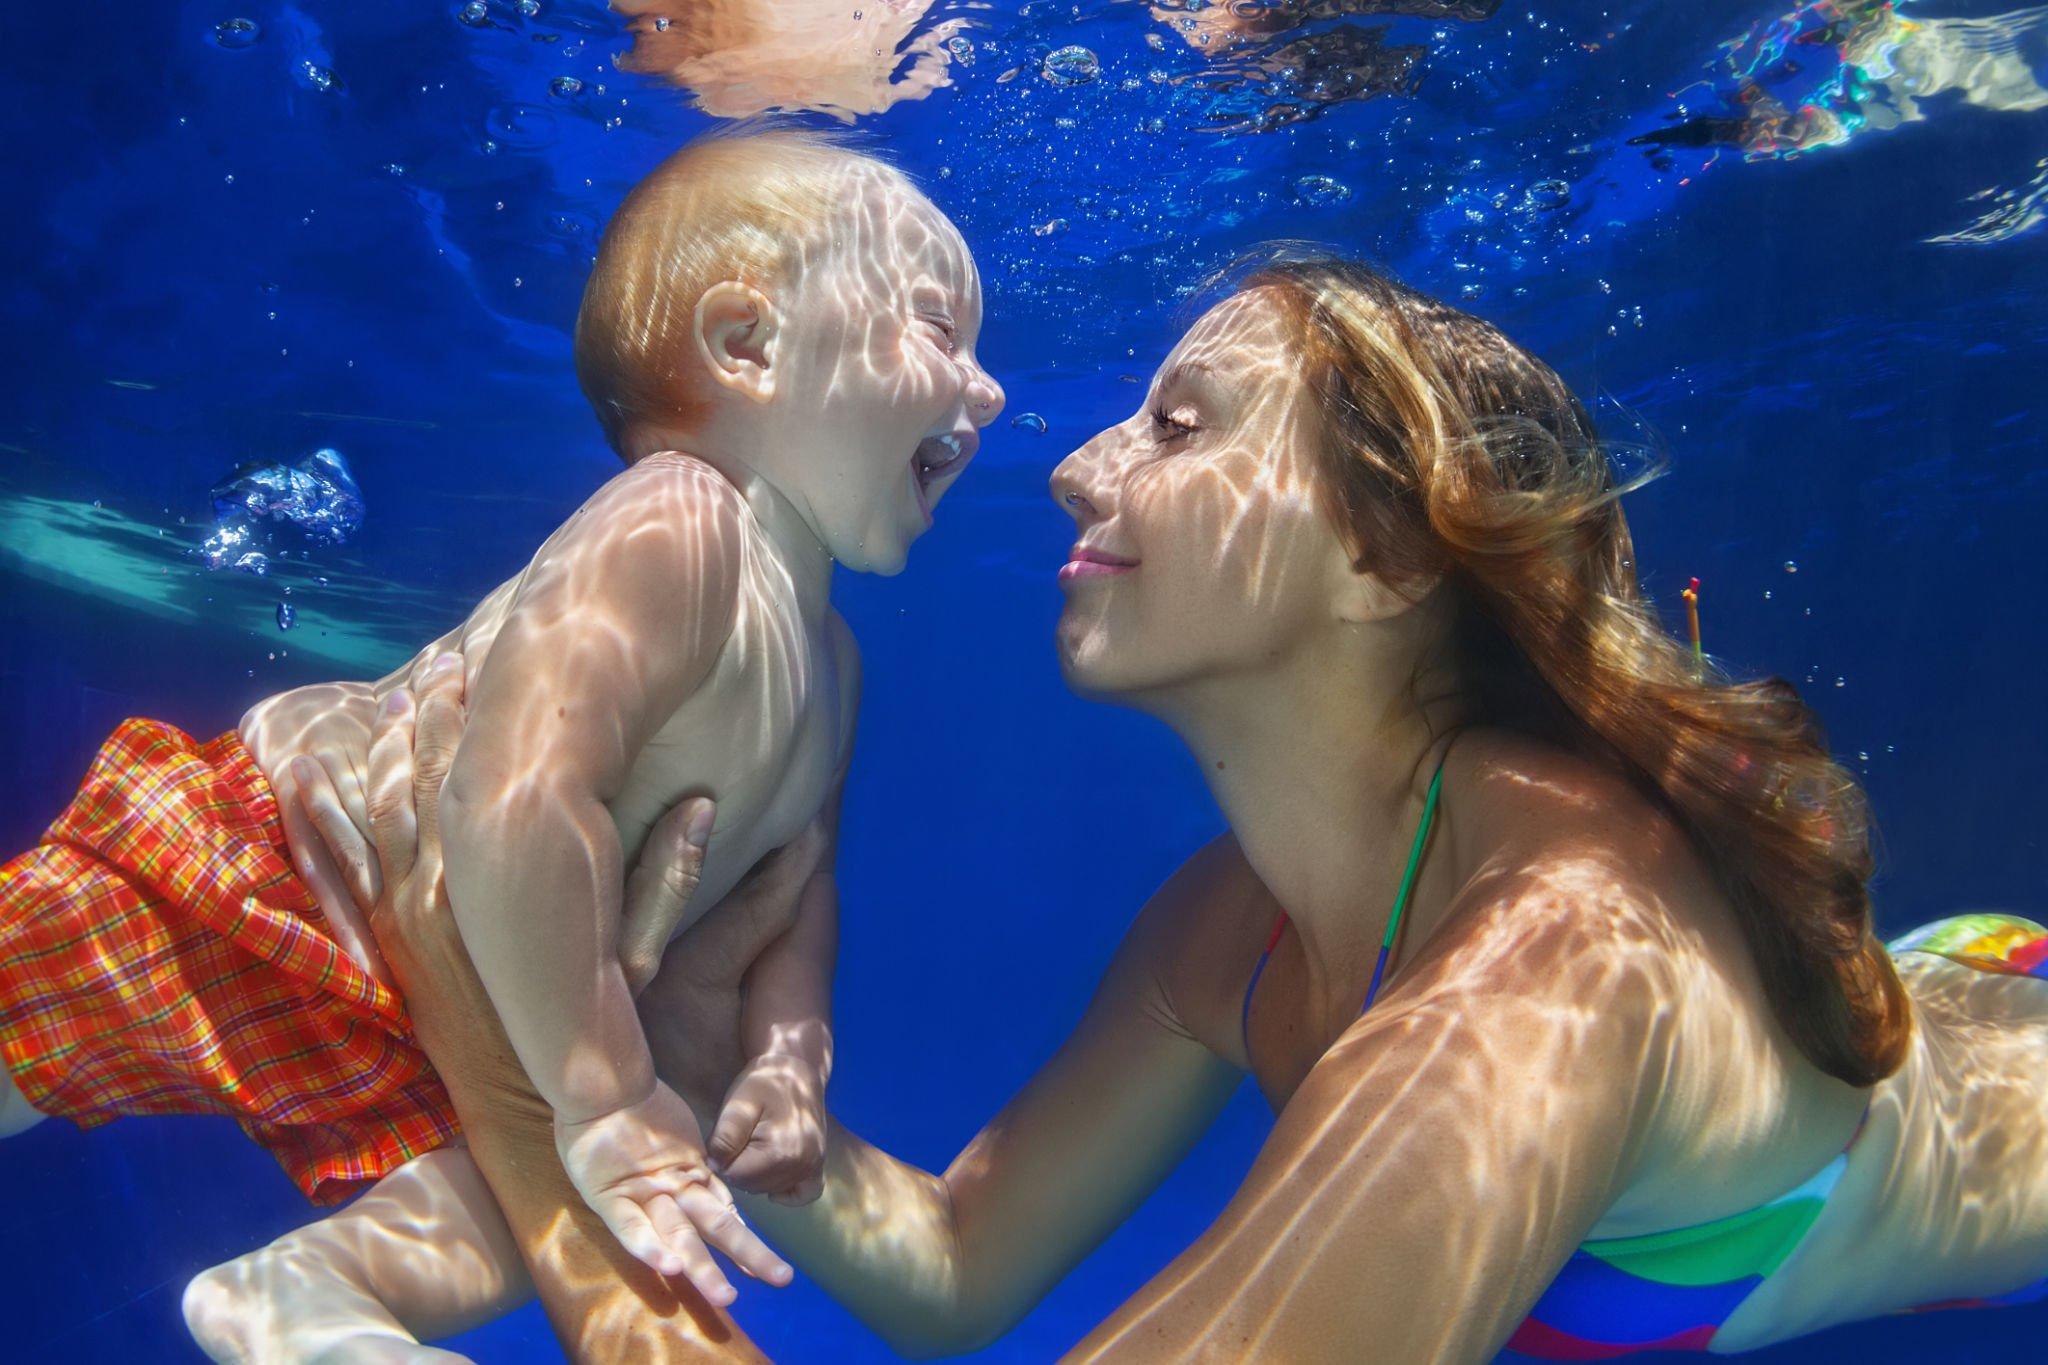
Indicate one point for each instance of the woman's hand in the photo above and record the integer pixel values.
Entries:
(394, 874)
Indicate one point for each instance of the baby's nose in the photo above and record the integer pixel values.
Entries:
(985, 396)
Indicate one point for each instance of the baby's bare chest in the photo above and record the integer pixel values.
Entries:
(762, 737)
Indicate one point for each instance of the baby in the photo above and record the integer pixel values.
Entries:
(800, 321)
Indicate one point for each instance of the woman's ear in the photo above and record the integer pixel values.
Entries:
(735, 329)
(1364, 596)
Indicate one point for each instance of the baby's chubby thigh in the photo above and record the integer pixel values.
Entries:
(424, 1254)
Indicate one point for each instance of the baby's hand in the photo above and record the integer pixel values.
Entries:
(770, 1136)
(642, 1170)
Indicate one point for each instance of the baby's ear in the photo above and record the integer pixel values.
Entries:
(735, 331)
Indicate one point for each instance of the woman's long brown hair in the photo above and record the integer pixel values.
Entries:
(1453, 451)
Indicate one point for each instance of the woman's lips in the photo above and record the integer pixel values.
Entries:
(1085, 563)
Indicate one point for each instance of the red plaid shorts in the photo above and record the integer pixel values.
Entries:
(158, 955)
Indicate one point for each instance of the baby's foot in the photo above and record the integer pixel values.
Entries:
(270, 1307)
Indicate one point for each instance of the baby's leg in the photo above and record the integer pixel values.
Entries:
(424, 1254)
(17, 1115)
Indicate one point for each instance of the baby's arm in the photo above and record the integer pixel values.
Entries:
(618, 620)
(770, 1136)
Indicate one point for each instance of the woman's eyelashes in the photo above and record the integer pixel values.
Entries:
(1173, 424)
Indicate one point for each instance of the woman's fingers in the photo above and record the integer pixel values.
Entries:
(435, 737)
(346, 844)
(393, 822)
(659, 891)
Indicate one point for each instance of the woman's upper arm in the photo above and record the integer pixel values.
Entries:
(1442, 1160)
(1102, 1123)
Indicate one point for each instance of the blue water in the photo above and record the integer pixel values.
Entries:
(367, 228)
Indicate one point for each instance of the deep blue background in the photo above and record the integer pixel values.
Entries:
(1837, 394)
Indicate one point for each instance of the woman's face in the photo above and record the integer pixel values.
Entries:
(1203, 549)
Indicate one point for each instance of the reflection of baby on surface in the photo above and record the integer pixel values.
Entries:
(1795, 94)
(800, 320)
(746, 57)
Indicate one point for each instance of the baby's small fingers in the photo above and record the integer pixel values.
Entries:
(733, 1134)
(637, 1234)
(719, 1223)
(699, 1268)
(755, 1168)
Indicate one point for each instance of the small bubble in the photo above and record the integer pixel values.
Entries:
(529, 8)
(1029, 421)
(476, 14)
(661, 24)
(962, 49)
(286, 616)
(1071, 66)
(1549, 194)
(1049, 227)
(1605, 287)
(1841, 682)
(1791, 566)
(317, 77)
(230, 177)
(235, 34)
(567, 87)
(1320, 191)
(1863, 754)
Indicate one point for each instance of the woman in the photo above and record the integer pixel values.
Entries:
(1553, 958)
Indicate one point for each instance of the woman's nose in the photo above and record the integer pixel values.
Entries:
(1076, 486)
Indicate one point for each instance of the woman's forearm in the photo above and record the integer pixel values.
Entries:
(883, 1241)
(604, 1304)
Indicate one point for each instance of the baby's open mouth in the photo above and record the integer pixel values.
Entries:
(938, 456)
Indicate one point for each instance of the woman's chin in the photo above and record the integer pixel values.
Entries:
(1086, 661)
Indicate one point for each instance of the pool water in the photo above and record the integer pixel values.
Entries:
(1800, 251)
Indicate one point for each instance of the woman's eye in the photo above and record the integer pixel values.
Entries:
(947, 333)
(1173, 426)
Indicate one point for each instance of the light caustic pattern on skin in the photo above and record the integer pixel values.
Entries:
(1209, 489)
(740, 58)
(892, 307)
(674, 639)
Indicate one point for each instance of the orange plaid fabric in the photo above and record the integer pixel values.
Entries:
(158, 955)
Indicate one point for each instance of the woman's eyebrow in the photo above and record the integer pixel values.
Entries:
(1182, 372)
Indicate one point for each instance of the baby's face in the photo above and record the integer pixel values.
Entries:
(881, 402)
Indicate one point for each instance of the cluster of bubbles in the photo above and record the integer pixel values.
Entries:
(265, 506)
(1071, 66)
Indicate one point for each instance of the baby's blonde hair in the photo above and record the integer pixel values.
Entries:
(739, 205)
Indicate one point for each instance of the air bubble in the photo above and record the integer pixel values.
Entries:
(1320, 191)
(286, 616)
(236, 34)
(529, 8)
(1791, 566)
(1049, 227)
(962, 49)
(1029, 421)
(567, 87)
(475, 14)
(1071, 66)
(316, 77)
(1549, 194)
(661, 23)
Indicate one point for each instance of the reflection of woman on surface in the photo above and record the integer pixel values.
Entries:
(1361, 553)
(740, 58)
